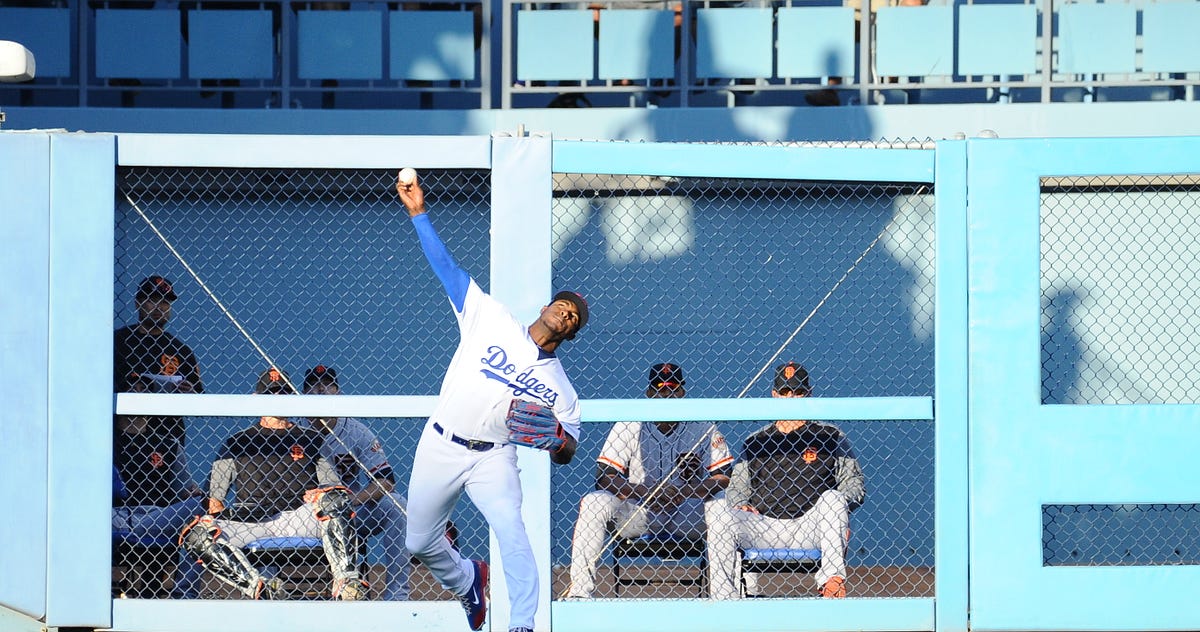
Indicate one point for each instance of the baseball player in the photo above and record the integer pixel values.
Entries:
(794, 486)
(148, 353)
(651, 478)
(351, 446)
(283, 487)
(466, 444)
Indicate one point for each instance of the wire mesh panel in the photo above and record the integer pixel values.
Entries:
(222, 273)
(729, 280)
(1119, 308)
(317, 266)
(1121, 535)
(149, 563)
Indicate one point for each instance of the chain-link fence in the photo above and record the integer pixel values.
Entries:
(1121, 535)
(726, 278)
(1118, 298)
(223, 272)
(729, 279)
(1118, 312)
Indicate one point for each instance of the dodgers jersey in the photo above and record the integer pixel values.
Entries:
(496, 360)
(644, 455)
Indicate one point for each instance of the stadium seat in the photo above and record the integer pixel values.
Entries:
(914, 41)
(431, 45)
(997, 40)
(637, 44)
(299, 562)
(752, 560)
(1096, 39)
(555, 45)
(1169, 41)
(651, 553)
(45, 32)
(230, 45)
(138, 44)
(734, 43)
(141, 563)
(339, 45)
(815, 42)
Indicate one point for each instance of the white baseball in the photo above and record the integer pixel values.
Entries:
(408, 175)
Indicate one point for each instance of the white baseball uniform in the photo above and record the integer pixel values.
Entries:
(464, 446)
(350, 447)
(645, 456)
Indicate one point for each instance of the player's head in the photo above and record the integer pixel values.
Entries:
(566, 314)
(274, 381)
(666, 381)
(153, 299)
(321, 380)
(791, 380)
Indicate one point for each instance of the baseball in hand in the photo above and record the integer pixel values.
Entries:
(408, 175)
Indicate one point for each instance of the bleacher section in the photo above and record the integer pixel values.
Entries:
(462, 55)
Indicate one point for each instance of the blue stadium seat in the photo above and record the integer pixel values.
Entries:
(45, 32)
(230, 45)
(1170, 42)
(734, 43)
(138, 44)
(340, 45)
(914, 41)
(1096, 38)
(997, 40)
(431, 45)
(637, 44)
(555, 45)
(815, 42)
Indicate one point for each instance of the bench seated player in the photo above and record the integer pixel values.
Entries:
(283, 487)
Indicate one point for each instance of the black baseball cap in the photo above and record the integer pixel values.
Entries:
(793, 377)
(580, 303)
(319, 373)
(156, 287)
(666, 374)
(274, 381)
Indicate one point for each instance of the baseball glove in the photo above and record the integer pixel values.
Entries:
(531, 424)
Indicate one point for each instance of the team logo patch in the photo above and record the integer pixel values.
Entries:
(788, 372)
(170, 364)
(809, 455)
(718, 440)
(156, 460)
(297, 453)
(375, 447)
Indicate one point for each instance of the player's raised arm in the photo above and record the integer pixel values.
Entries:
(454, 279)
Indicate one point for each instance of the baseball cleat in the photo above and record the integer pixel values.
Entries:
(475, 601)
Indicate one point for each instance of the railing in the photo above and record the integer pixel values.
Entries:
(448, 55)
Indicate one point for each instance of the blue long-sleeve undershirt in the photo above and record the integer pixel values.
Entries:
(454, 279)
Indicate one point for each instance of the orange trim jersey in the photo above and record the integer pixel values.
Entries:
(644, 455)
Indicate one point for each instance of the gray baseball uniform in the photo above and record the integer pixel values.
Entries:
(645, 456)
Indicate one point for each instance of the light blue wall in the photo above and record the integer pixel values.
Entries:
(1023, 453)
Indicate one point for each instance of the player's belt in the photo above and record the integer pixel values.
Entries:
(470, 444)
